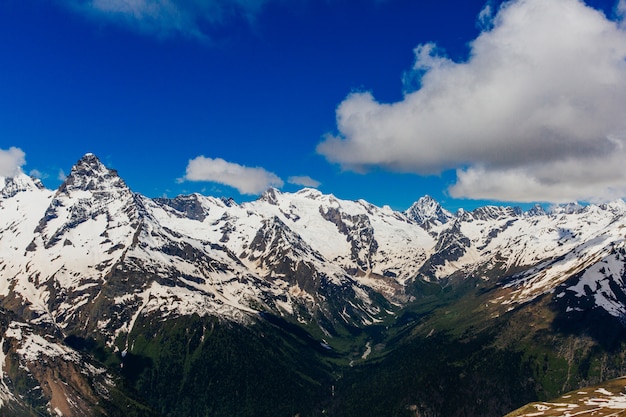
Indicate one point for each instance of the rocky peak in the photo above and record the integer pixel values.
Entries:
(89, 174)
(617, 207)
(88, 165)
(90, 190)
(427, 212)
(536, 210)
(271, 196)
(228, 201)
(22, 182)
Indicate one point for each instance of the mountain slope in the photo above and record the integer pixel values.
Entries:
(115, 279)
(608, 399)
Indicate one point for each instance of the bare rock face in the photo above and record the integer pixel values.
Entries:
(38, 369)
(188, 206)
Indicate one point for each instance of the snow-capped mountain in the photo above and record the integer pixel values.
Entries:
(59, 378)
(93, 255)
(95, 242)
(92, 258)
(428, 213)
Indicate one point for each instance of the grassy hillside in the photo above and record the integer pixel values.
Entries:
(453, 352)
(607, 399)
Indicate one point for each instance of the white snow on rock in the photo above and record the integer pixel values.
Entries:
(95, 242)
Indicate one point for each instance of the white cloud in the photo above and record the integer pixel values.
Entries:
(245, 179)
(167, 17)
(540, 99)
(11, 161)
(35, 173)
(620, 9)
(594, 182)
(485, 17)
(303, 180)
(61, 175)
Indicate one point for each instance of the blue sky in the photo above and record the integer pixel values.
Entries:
(385, 100)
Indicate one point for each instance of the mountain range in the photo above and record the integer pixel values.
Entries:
(113, 303)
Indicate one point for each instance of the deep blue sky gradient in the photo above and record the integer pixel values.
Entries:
(260, 93)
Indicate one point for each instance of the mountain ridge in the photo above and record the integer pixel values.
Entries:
(349, 243)
(95, 262)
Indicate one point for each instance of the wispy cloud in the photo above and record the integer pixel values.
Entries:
(189, 18)
(303, 180)
(35, 173)
(11, 161)
(535, 113)
(245, 179)
(61, 176)
(620, 12)
(485, 17)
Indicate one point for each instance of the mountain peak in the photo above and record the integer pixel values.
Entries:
(617, 206)
(311, 193)
(536, 210)
(271, 196)
(22, 182)
(89, 191)
(89, 174)
(89, 161)
(427, 212)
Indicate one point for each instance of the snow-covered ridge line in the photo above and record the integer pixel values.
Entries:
(94, 256)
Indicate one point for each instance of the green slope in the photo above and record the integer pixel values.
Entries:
(453, 352)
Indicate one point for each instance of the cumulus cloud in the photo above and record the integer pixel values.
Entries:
(593, 181)
(245, 179)
(11, 161)
(167, 17)
(303, 180)
(536, 113)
